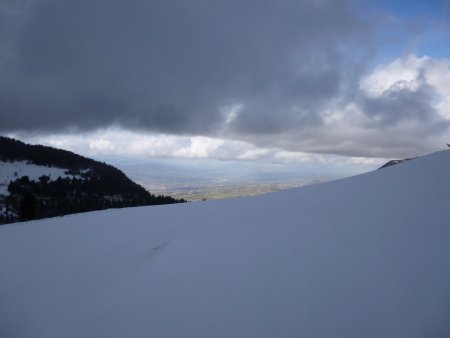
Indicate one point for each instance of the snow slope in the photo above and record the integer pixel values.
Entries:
(367, 256)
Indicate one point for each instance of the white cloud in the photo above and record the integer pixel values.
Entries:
(403, 110)
(408, 73)
(199, 147)
(123, 143)
(101, 145)
(400, 72)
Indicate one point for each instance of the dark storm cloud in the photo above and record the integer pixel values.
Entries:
(173, 66)
(180, 66)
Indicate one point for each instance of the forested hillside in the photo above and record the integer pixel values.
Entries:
(83, 185)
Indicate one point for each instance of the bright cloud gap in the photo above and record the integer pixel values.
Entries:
(118, 142)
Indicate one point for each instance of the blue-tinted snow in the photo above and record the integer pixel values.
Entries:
(367, 256)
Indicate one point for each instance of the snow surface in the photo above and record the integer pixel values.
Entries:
(367, 256)
(10, 171)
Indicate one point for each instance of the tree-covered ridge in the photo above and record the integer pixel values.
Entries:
(92, 185)
(15, 150)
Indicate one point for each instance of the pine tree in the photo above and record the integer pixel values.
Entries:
(28, 207)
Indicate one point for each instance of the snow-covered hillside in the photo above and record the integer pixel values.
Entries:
(11, 170)
(367, 256)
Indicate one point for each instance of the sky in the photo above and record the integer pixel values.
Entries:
(317, 81)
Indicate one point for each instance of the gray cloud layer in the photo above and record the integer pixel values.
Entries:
(175, 67)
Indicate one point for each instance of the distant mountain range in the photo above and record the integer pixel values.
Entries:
(39, 181)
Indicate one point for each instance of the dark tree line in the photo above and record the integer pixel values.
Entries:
(45, 198)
